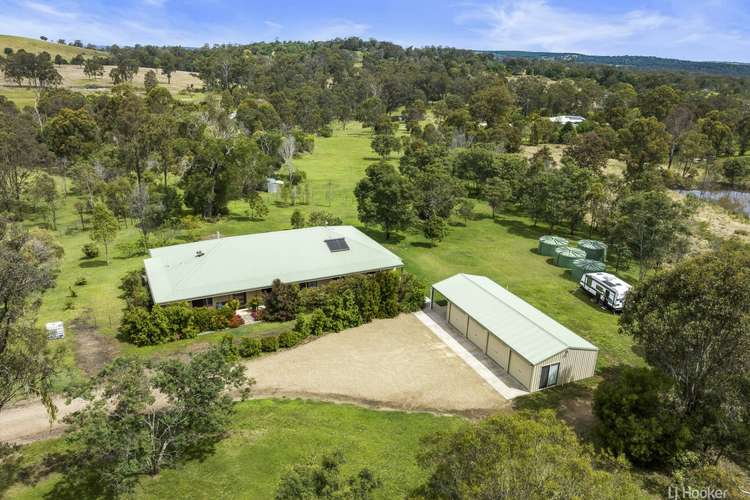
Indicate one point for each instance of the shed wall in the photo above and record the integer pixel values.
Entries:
(578, 364)
(457, 317)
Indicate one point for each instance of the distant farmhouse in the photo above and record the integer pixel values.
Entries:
(533, 348)
(563, 119)
(212, 272)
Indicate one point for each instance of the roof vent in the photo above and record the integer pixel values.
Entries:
(199, 253)
(337, 245)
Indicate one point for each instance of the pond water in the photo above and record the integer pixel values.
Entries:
(739, 197)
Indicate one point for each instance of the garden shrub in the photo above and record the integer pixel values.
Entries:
(326, 131)
(229, 349)
(135, 293)
(388, 282)
(302, 326)
(288, 339)
(90, 251)
(334, 314)
(282, 302)
(318, 322)
(269, 344)
(136, 326)
(181, 321)
(411, 293)
(249, 347)
(236, 321)
(635, 418)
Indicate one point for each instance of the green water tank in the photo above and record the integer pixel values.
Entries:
(595, 250)
(584, 266)
(564, 256)
(548, 244)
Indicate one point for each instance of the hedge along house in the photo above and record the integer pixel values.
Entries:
(536, 350)
(212, 272)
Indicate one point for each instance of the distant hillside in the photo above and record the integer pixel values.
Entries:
(37, 46)
(637, 62)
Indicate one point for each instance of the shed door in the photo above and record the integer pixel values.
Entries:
(498, 351)
(458, 318)
(477, 334)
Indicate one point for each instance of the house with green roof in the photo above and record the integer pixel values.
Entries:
(212, 272)
(535, 349)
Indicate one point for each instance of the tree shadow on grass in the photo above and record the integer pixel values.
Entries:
(379, 235)
(589, 300)
(422, 244)
(519, 228)
(572, 403)
(86, 264)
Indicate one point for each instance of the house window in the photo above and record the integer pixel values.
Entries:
(589, 281)
(240, 297)
(203, 302)
(549, 375)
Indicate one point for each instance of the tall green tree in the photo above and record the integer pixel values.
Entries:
(653, 226)
(71, 134)
(384, 197)
(44, 190)
(385, 144)
(518, 455)
(736, 169)
(644, 143)
(104, 226)
(29, 263)
(21, 154)
(497, 192)
(123, 434)
(693, 323)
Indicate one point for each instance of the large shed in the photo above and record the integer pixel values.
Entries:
(536, 350)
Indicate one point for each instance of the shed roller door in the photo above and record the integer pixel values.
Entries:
(458, 318)
(477, 334)
(498, 351)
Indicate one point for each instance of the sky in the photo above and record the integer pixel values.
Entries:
(715, 30)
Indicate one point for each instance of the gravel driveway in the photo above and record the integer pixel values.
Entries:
(395, 363)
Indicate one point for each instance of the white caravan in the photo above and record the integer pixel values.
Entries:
(608, 289)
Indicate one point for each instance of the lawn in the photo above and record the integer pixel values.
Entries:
(269, 436)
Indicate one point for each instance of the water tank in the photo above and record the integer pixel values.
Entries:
(564, 256)
(548, 244)
(583, 266)
(595, 250)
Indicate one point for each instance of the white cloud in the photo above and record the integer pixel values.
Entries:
(155, 3)
(540, 25)
(273, 25)
(49, 10)
(537, 25)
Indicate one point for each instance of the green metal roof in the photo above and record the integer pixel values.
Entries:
(251, 262)
(521, 326)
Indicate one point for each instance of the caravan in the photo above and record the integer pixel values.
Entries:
(608, 289)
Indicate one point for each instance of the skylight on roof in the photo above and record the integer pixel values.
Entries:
(337, 245)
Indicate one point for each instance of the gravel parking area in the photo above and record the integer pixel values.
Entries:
(395, 363)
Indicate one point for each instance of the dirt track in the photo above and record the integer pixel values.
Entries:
(396, 363)
(387, 364)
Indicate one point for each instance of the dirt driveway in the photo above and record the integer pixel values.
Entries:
(395, 363)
